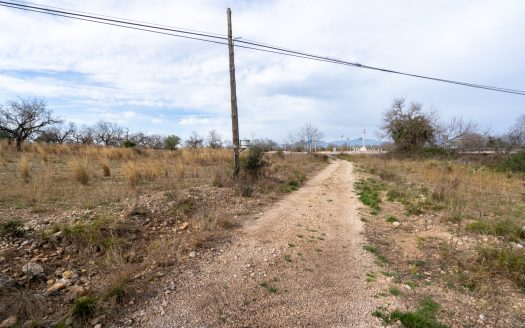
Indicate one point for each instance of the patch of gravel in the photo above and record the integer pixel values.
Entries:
(301, 263)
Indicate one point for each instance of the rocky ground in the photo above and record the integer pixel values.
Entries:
(300, 263)
(83, 267)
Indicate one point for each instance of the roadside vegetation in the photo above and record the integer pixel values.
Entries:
(86, 230)
(450, 228)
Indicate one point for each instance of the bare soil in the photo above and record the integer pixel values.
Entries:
(300, 263)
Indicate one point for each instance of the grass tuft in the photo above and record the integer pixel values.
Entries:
(84, 307)
(80, 168)
(12, 228)
(424, 316)
(24, 168)
(368, 192)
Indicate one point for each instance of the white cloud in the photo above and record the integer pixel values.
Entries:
(164, 84)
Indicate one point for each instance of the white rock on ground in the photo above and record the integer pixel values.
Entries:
(32, 269)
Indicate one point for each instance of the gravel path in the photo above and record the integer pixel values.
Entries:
(301, 264)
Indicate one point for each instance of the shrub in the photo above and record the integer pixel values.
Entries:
(129, 144)
(84, 307)
(502, 260)
(502, 228)
(244, 189)
(120, 287)
(514, 163)
(12, 228)
(171, 142)
(254, 161)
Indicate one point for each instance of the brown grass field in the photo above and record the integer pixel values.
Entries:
(449, 229)
(104, 224)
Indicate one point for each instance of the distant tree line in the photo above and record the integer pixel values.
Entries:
(409, 127)
(29, 119)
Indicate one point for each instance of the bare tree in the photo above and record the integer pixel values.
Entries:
(194, 141)
(107, 133)
(59, 133)
(85, 135)
(23, 118)
(515, 137)
(214, 139)
(310, 135)
(290, 140)
(265, 144)
(456, 127)
(154, 141)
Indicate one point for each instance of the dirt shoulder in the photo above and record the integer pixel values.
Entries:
(301, 263)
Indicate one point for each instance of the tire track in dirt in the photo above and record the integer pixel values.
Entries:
(300, 265)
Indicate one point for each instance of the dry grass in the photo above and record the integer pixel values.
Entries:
(80, 169)
(462, 228)
(105, 166)
(132, 173)
(156, 208)
(24, 168)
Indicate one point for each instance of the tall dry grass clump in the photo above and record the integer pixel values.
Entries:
(24, 168)
(106, 167)
(80, 168)
(132, 173)
(42, 152)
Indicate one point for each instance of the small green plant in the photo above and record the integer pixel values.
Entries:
(371, 249)
(368, 192)
(391, 219)
(269, 288)
(374, 250)
(84, 307)
(424, 316)
(288, 258)
(12, 228)
(370, 277)
(395, 291)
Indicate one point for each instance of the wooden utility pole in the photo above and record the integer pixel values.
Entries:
(233, 90)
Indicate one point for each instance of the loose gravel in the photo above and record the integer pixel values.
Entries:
(299, 264)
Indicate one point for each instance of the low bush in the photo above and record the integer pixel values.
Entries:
(502, 228)
(12, 228)
(254, 162)
(503, 261)
(84, 307)
(514, 163)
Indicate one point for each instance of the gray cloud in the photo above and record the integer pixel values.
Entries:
(176, 86)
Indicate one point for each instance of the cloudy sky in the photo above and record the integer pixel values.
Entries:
(162, 84)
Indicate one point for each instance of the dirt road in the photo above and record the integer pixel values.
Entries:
(300, 264)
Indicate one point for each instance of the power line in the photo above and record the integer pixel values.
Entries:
(219, 39)
(113, 17)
